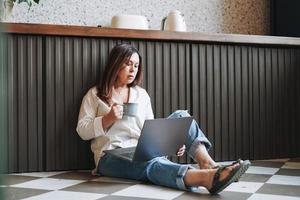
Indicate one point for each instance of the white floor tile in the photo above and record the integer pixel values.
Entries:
(66, 195)
(271, 197)
(149, 191)
(245, 187)
(291, 165)
(48, 183)
(40, 174)
(284, 180)
(262, 170)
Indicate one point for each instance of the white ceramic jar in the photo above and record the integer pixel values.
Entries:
(174, 22)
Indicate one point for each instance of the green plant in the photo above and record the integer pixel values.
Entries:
(9, 4)
(29, 2)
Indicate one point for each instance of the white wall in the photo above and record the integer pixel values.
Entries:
(214, 16)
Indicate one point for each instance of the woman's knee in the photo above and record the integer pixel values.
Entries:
(155, 165)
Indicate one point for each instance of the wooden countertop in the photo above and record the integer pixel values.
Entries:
(85, 31)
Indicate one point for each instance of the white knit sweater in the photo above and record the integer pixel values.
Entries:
(123, 133)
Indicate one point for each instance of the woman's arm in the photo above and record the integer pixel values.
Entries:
(89, 124)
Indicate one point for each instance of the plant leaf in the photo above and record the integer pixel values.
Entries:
(21, 1)
(29, 2)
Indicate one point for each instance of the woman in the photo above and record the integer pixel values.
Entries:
(100, 120)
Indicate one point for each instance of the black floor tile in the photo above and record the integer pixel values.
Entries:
(223, 195)
(97, 187)
(262, 178)
(294, 160)
(107, 179)
(262, 163)
(288, 172)
(276, 189)
(75, 176)
(13, 193)
(122, 198)
(15, 179)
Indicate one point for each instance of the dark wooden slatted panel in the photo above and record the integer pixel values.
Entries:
(293, 103)
(12, 106)
(203, 78)
(238, 101)
(231, 104)
(224, 104)
(35, 99)
(287, 97)
(25, 108)
(246, 99)
(298, 97)
(217, 101)
(268, 103)
(72, 65)
(297, 52)
(203, 88)
(275, 102)
(251, 100)
(255, 103)
(166, 71)
(22, 103)
(281, 102)
(3, 105)
(70, 147)
(245, 107)
(262, 103)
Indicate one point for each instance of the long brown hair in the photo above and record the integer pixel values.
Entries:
(119, 55)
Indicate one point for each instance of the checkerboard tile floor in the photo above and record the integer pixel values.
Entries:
(265, 179)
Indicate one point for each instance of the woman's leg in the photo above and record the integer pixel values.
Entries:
(110, 165)
(161, 171)
(205, 177)
(196, 142)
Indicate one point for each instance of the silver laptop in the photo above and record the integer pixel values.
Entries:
(159, 137)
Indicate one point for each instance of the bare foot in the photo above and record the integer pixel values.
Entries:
(207, 165)
(203, 158)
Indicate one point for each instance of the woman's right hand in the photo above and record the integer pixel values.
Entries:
(115, 113)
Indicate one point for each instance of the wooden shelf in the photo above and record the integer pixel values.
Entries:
(84, 31)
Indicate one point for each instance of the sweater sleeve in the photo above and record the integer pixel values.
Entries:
(89, 125)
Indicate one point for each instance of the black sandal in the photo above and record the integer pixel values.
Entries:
(244, 163)
(217, 185)
(228, 165)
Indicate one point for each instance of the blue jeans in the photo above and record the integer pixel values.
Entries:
(160, 170)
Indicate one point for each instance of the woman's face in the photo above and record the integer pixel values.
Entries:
(129, 70)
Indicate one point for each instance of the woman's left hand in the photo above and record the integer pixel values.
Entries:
(181, 151)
